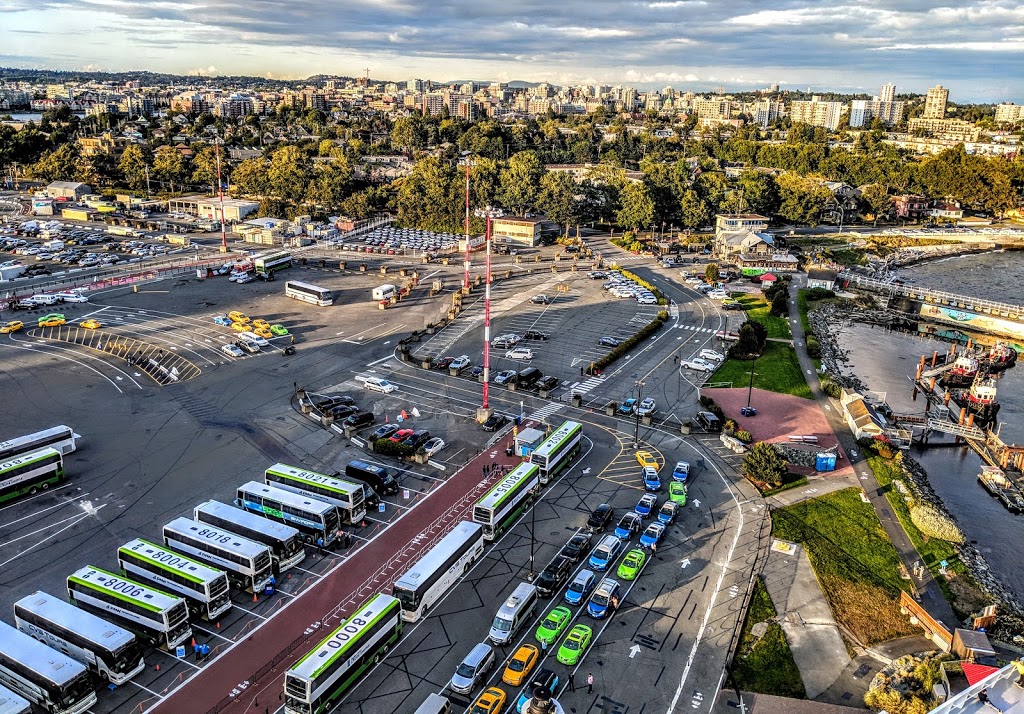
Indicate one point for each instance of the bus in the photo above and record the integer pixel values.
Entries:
(319, 679)
(285, 542)
(11, 703)
(317, 520)
(426, 582)
(507, 500)
(61, 438)
(205, 589)
(308, 293)
(558, 450)
(109, 652)
(247, 563)
(52, 681)
(145, 611)
(268, 264)
(345, 495)
(29, 473)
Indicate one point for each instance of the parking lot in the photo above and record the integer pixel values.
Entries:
(391, 240)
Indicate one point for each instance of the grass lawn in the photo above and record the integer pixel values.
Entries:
(857, 566)
(776, 371)
(757, 308)
(766, 665)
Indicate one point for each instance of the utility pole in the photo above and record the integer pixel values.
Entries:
(220, 190)
(636, 412)
(489, 213)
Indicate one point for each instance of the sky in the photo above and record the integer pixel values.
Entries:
(973, 47)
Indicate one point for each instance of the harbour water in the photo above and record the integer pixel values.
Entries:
(886, 361)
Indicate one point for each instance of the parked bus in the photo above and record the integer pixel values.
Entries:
(308, 293)
(145, 611)
(30, 473)
(111, 653)
(205, 589)
(11, 703)
(426, 582)
(318, 680)
(267, 265)
(317, 520)
(61, 438)
(285, 542)
(500, 506)
(558, 450)
(52, 681)
(345, 495)
(247, 563)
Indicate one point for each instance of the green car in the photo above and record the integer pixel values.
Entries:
(553, 625)
(575, 644)
(677, 493)
(630, 566)
(53, 316)
(279, 330)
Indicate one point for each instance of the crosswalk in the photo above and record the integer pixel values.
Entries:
(586, 386)
(693, 328)
(545, 411)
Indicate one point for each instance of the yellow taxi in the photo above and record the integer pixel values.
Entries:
(241, 326)
(492, 701)
(263, 332)
(52, 322)
(262, 324)
(519, 667)
(236, 316)
(12, 326)
(91, 324)
(646, 458)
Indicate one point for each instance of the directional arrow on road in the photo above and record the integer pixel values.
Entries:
(686, 563)
(634, 651)
(696, 504)
(586, 471)
(576, 361)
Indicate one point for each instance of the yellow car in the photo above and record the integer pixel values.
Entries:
(52, 322)
(646, 458)
(240, 326)
(520, 665)
(492, 701)
(236, 316)
(91, 324)
(263, 332)
(263, 324)
(12, 326)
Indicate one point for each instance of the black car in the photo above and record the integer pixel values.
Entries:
(578, 546)
(545, 679)
(609, 342)
(600, 518)
(553, 576)
(547, 383)
(494, 422)
(476, 371)
(534, 335)
(384, 431)
(341, 411)
(329, 402)
(359, 419)
(417, 438)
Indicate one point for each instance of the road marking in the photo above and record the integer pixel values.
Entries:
(382, 359)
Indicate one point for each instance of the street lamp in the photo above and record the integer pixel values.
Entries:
(490, 214)
(467, 162)
(636, 412)
(750, 389)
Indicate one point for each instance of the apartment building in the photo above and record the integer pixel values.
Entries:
(1009, 113)
(951, 129)
(864, 111)
(935, 103)
(817, 113)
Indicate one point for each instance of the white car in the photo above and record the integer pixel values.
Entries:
(647, 300)
(699, 364)
(253, 337)
(376, 384)
(647, 406)
(232, 351)
(245, 279)
(718, 295)
(519, 353)
(433, 445)
(71, 297)
(712, 356)
(460, 362)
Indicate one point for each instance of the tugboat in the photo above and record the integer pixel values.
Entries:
(999, 358)
(979, 400)
(963, 372)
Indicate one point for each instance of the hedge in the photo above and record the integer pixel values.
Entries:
(386, 447)
(629, 275)
(646, 331)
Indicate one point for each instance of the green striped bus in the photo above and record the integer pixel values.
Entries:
(30, 473)
(500, 506)
(347, 496)
(204, 588)
(316, 682)
(558, 450)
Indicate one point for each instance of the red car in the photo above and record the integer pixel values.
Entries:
(401, 435)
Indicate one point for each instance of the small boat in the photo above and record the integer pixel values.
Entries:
(1000, 356)
(965, 368)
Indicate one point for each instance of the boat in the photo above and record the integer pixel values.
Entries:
(995, 482)
(965, 368)
(980, 400)
(1000, 356)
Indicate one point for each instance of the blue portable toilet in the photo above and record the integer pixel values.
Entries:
(825, 462)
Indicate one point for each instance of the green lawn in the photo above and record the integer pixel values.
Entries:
(804, 306)
(766, 665)
(776, 371)
(757, 308)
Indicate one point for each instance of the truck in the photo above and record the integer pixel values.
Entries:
(12, 271)
(384, 292)
(52, 245)
(122, 231)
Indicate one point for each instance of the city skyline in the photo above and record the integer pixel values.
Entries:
(975, 50)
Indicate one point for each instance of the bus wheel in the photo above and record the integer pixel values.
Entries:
(376, 658)
(46, 486)
(33, 491)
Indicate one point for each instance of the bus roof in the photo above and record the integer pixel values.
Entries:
(93, 628)
(45, 433)
(339, 642)
(565, 431)
(11, 703)
(193, 570)
(247, 520)
(97, 578)
(329, 482)
(437, 555)
(300, 284)
(29, 458)
(287, 498)
(238, 544)
(501, 490)
(48, 662)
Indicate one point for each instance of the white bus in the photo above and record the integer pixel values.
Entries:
(52, 681)
(307, 292)
(317, 520)
(285, 542)
(347, 496)
(558, 450)
(111, 653)
(11, 703)
(205, 589)
(247, 562)
(268, 264)
(145, 611)
(500, 506)
(61, 438)
(29, 473)
(426, 582)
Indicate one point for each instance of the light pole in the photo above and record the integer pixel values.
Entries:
(636, 412)
(220, 190)
(489, 213)
(467, 162)
(750, 388)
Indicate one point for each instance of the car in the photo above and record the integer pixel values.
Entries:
(241, 326)
(667, 514)
(475, 372)
(520, 665)
(248, 345)
(646, 506)
(575, 644)
(605, 597)
(232, 351)
(460, 362)
(417, 439)
(333, 401)
(544, 679)
(52, 322)
(384, 431)
(652, 534)
(646, 458)
(359, 419)
(91, 324)
(580, 586)
(505, 376)
(53, 316)
(12, 326)
(547, 383)
(441, 362)
(342, 411)
(631, 563)
(600, 518)
(494, 422)
(376, 384)
(578, 546)
(244, 278)
(401, 435)
(263, 333)
(506, 341)
(698, 364)
(652, 481)
(627, 406)
(540, 300)
(259, 322)
(222, 320)
(607, 341)
(606, 551)
(681, 471)
(554, 575)
(534, 335)
(732, 305)
(279, 330)
(647, 300)
(253, 337)
(72, 297)
(432, 446)
(553, 625)
(647, 406)
(629, 524)
(677, 492)
(519, 353)
(236, 316)
(597, 274)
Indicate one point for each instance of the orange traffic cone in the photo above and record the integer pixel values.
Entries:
(255, 598)
(158, 667)
(193, 641)
(218, 625)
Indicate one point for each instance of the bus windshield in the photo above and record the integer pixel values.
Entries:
(408, 599)
(77, 690)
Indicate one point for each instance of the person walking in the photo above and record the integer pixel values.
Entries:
(590, 682)
(1019, 666)
(983, 698)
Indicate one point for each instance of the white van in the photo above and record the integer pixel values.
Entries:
(519, 608)
(435, 704)
(384, 292)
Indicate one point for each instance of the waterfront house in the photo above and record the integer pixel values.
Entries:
(859, 416)
(821, 278)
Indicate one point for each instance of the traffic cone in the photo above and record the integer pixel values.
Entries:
(193, 642)
(158, 667)
(218, 625)
(255, 598)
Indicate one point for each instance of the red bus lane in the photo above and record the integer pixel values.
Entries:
(253, 669)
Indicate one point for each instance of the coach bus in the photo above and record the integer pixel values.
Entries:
(500, 506)
(318, 680)
(285, 542)
(52, 681)
(307, 292)
(345, 495)
(317, 520)
(30, 473)
(145, 611)
(11, 703)
(267, 265)
(205, 589)
(247, 563)
(61, 438)
(558, 450)
(111, 653)
(426, 582)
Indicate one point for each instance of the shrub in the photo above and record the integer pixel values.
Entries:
(780, 306)
(763, 463)
(646, 331)
(662, 300)
(743, 435)
(706, 401)
(730, 426)
(934, 523)
(814, 348)
(831, 388)
(386, 447)
(813, 294)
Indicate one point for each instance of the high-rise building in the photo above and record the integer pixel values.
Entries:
(1009, 113)
(863, 111)
(888, 93)
(817, 113)
(766, 111)
(935, 103)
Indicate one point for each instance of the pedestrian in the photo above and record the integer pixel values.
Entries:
(654, 548)
(544, 647)
(983, 698)
(320, 543)
(572, 681)
(196, 649)
(348, 539)
(675, 359)
(581, 371)
(1019, 665)
(483, 471)
(590, 682)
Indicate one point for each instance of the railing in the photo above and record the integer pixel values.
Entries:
(935, 296)
(948, 427)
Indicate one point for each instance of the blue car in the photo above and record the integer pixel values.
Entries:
(222, 320)
(682, 471)
(652, 482)
(606, 551)
(653, 534)
(604, 599)
(629, 524)
(544, 678)
(580, 587)
(669, 511)
(646, 505)
(627, 406)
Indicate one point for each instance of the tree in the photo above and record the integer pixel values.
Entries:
(637, 210)
(169, 165)
(780, 304)
(801, 199)
(695, 211)
(752, 337)
(520, 181)
(408, 133)
(61, 164)
(250, 178)
(712, 273)
(204, 168)
(558, 198)
(876, 199)
(134, 165)
(765, 465)
(331, 181)
(289, 174)
(760, 192)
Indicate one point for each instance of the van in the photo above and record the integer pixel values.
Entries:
(529, 376)
(384, 292)
(472, 670)
(379, 478)
(359, 419)
(709, 421)
(517, 609)
(434, 704)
